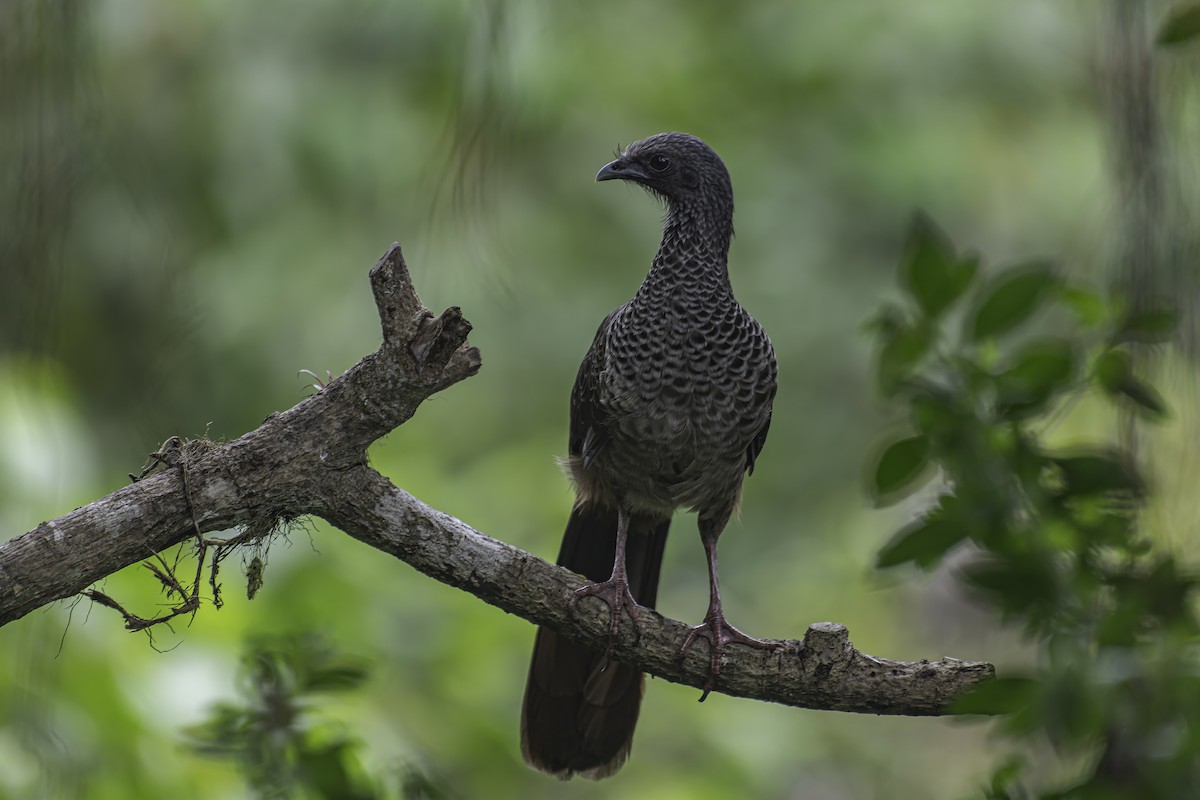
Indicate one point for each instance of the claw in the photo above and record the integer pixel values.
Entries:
(720, 633)
(616, 594)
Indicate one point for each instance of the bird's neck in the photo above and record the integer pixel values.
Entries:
(694, 252)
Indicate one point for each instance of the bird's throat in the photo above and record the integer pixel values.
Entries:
(693, 253)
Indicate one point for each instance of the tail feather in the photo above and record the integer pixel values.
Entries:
(579, 711)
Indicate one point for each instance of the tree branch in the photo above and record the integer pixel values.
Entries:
(312, 459)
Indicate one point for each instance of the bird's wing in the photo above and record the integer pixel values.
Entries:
(760, 436)
(756, 445)
(589, 419)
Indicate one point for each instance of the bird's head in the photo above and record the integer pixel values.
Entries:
(679, 168)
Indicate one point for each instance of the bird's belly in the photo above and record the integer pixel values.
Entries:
(667, 455)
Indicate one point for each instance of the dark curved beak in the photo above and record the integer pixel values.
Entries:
(620, 170)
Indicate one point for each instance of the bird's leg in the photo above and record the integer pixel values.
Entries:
(615, 590)
(714, 627)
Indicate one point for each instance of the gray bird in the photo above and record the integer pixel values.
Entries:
(670, 408)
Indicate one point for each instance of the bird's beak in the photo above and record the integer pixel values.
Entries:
(620, 170)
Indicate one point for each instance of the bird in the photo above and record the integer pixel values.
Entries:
(670, 408)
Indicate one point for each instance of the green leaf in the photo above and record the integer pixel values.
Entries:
(899, 466)
(1182, 25)
(1025, 583)
(935, 412)
(335, 678)
(1010, 300)
(324, 771)
(1098, 473)
(886, 321)
(1114, 373)
(1145, 397)
(1113, 368)
(930, 271)
(903, 348)
(997, 696)
(1073, 703)
(1147, 326)
(1005, 782)
(1088, 307)
(923, 542)
(1042, 369)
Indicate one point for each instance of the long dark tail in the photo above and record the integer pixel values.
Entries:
(579, 711)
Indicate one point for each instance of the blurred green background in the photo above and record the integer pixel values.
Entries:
(193, 193)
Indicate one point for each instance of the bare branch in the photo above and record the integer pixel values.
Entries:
(824, 671)
(311, 459)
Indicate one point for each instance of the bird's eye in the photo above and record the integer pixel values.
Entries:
(659, 163)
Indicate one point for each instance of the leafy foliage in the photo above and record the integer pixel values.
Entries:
(1054, 534)
(1013, 296)
(1182, 25)
(271, 734)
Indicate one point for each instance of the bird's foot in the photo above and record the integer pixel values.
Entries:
(720, 633)
(320, 384)
(615, 592)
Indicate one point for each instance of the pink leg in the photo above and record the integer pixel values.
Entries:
(714, 627)
(615, 590)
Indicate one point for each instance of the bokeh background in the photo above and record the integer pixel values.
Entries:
(193, 193)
